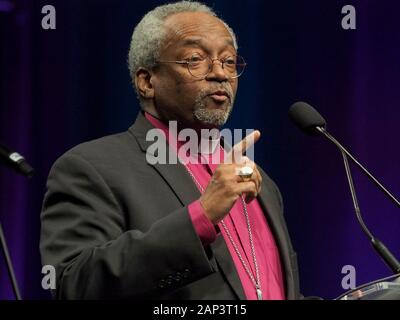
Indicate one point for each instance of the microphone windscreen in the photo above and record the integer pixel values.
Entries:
(306, 117)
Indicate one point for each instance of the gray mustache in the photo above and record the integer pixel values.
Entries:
(209, 91)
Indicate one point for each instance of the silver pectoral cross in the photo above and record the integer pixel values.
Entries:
(259, 293)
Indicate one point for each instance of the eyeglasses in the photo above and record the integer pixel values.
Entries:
(199, 66)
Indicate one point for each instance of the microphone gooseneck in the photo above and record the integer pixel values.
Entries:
(370, 176)
(311, 122)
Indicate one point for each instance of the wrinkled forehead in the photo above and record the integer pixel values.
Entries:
(195, 29)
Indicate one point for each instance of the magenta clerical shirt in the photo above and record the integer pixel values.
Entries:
(270, 271)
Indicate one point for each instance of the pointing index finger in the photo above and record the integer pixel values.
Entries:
(240, 148)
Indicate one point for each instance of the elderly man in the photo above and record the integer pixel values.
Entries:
(116, 226)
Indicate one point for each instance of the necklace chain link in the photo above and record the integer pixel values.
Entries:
(255, 281)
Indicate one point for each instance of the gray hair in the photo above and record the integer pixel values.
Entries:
(148, 35)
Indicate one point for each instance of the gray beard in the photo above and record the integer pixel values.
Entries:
(211, 116)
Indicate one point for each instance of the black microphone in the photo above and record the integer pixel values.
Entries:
(306, 118)
(15, 161)
(312, 123)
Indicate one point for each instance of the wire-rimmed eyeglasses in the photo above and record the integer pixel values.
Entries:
(199, 66)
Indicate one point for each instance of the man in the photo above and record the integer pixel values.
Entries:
(115, 225)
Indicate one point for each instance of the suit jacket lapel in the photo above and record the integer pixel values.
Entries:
(271, 210)
(186, 191)
(225, 262)
(174, 174)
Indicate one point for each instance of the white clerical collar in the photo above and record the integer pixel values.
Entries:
(209, 141)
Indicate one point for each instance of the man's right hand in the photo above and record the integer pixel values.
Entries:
(226, 186)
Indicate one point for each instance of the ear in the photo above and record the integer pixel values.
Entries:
(144, 84)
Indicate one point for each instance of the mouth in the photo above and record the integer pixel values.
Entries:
(219, 96)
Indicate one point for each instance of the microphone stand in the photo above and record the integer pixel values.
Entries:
(380, 248)
(21, 166)
(10, 269)
(370, 176)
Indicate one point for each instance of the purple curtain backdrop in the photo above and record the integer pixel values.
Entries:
(61, 87)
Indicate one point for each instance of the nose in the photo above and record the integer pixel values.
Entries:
(217, 71)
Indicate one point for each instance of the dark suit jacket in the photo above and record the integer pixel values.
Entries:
(117, 227)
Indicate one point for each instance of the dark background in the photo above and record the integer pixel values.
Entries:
(61, 87)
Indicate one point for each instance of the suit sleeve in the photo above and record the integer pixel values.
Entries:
(84, 237)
